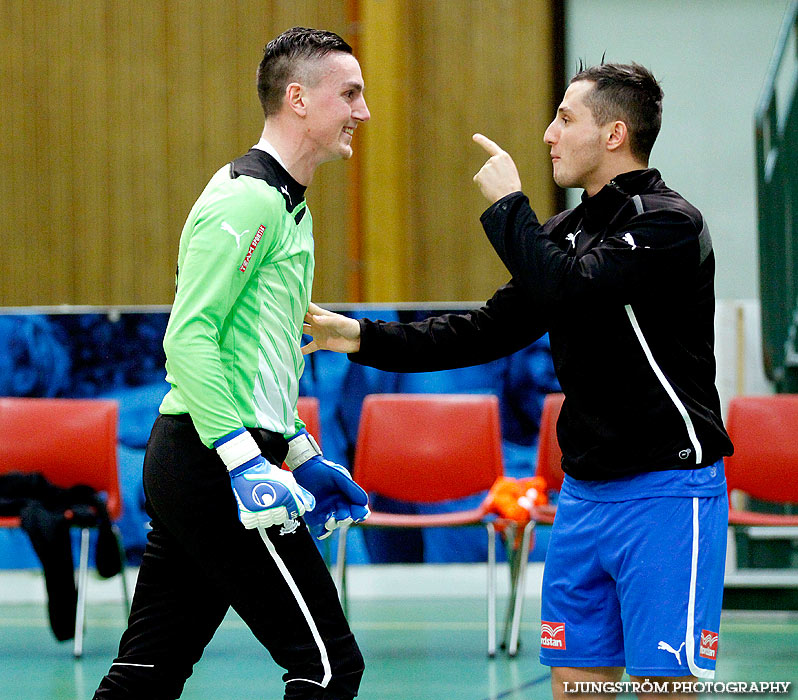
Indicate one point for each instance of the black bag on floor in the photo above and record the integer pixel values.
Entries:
(47, 512)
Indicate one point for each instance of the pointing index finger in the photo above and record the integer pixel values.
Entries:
(491, 147)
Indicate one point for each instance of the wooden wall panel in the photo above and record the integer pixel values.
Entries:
(385, 185)
(114, 115)
(471, 65)
(92, 252)
(126, 216)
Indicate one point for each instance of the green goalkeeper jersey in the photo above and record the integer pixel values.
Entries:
(244, 278)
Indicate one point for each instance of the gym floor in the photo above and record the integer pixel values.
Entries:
(416, 648)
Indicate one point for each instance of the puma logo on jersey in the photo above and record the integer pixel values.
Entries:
(627, 238)
(572, 237)
(664, 646)
(227, 228)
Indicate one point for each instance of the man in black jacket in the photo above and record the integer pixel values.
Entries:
(623, 284)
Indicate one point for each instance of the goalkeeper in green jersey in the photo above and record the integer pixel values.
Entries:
(226, 520)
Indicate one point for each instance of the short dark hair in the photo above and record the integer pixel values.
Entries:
(284, 58)
(629, 93)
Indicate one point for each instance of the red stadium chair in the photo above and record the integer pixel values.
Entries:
(549, 462)
(764, 430)
(764, 466)
(70, 442)
(308, 409)
(428, 448)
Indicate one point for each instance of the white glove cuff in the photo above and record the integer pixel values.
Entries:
(238, 450)
(300, 449)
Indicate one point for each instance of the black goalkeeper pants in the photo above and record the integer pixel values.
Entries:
(200, 561)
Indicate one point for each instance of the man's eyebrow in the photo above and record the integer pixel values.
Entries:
(564, 109)
(354, 85)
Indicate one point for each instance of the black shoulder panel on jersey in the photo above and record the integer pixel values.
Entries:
(259, 164)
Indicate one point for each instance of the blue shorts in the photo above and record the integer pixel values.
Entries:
(635, 583)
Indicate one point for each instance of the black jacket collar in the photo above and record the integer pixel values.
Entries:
(604, 205)
(259, 164)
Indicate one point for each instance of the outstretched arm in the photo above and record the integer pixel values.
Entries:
(500, 327)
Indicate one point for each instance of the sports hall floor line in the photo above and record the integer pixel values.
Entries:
(513, 691)
(416, 647)
(415, 650)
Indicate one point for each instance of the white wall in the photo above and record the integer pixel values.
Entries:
(711, 57)
(738, 350)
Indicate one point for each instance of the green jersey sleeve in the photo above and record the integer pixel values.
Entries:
(224, 240)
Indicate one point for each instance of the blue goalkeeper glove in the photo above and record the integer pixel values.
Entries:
(266, 494)
(339, 500)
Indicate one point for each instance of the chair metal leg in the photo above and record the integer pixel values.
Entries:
(83, 579)
(339, 577)
(512, 562)
(491, 589)
(125, 592)
(523, 561)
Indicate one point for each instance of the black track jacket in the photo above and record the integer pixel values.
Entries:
(623, 284)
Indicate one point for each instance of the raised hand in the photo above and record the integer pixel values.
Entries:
(499, 176)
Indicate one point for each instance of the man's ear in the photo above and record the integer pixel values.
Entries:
(295, 98)
(617, 135)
